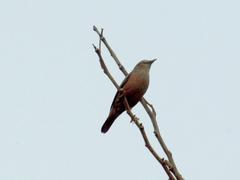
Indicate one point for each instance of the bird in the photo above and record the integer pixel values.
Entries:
(134, 87)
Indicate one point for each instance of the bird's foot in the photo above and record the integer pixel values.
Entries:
(134, 118)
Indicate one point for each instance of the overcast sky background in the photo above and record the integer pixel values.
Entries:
(54, 96)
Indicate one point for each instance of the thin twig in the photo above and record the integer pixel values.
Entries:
(112, 53)
(103, 65)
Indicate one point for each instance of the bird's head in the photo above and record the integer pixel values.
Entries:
(144, 64)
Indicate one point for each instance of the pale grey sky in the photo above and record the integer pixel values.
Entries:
(54, 97)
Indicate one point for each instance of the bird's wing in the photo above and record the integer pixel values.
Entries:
(122, 84)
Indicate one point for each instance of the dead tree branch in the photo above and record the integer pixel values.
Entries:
(168, 165)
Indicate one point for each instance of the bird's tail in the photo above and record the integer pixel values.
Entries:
(108, 123)
(111, 118)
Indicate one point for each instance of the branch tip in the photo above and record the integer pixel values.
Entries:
(94, 47)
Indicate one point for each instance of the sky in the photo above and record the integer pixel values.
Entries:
(54, 96)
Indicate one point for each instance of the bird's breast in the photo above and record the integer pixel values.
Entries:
(136, 87)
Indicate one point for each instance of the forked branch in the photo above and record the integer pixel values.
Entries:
(168, 165)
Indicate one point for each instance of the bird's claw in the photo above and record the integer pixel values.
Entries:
(134, 118)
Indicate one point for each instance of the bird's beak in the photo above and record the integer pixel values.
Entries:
(151, 61)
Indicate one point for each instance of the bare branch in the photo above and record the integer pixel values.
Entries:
(151, 112)
(112, 53)
(102, 63)
(161, 141)
(145, 138)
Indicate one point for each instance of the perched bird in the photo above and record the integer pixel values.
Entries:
(134, 87)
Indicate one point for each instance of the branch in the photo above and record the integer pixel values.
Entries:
(112, 53)
(103, 65)
(151, 112)
(161, 141)
(145, 138)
